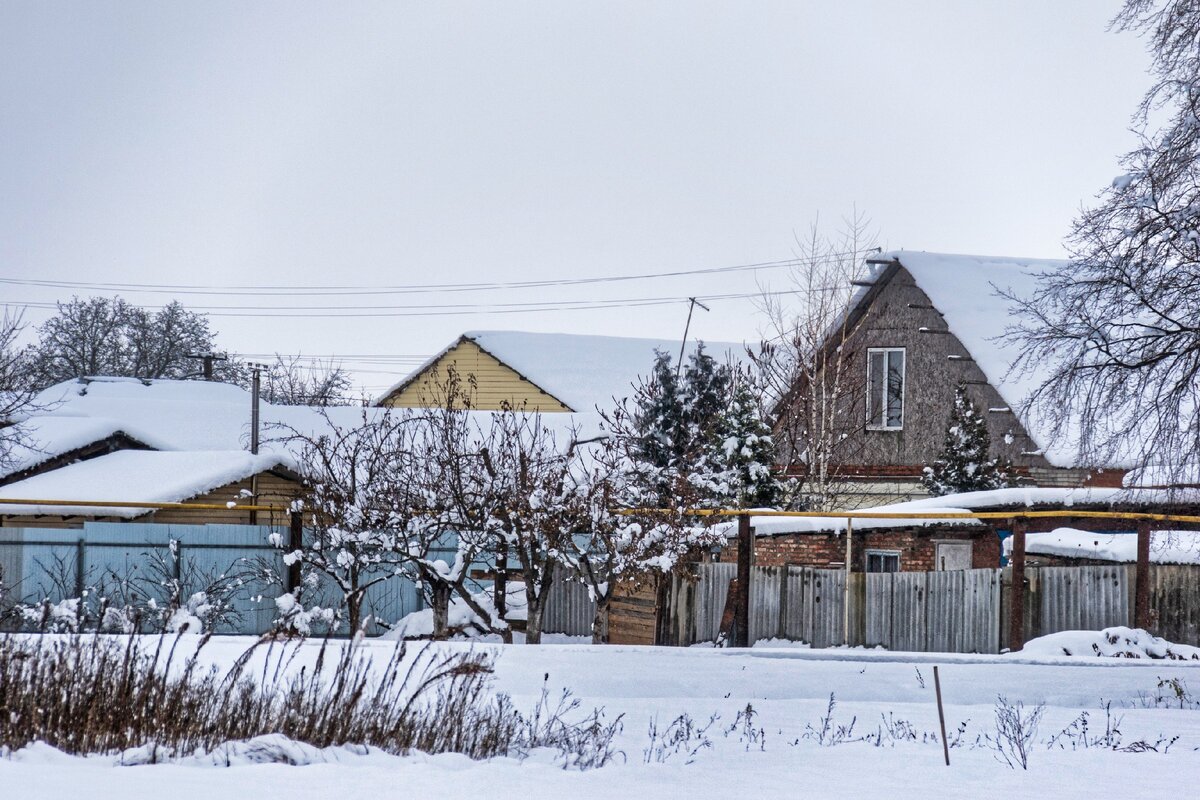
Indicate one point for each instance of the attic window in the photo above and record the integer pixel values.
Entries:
(885, 388)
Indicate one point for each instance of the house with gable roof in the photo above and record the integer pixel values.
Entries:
(546, 372)
(918, 325)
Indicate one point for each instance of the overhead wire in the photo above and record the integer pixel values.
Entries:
(414, 288)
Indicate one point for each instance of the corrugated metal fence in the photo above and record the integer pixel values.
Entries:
(957, 611)
(136, 561)
(569, 608)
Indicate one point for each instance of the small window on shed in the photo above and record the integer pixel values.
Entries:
(883, 561)
(885, 388)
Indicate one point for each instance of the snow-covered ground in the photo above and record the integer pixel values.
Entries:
(789, 690)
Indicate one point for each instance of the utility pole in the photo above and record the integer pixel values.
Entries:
(255, 386)
(692, 303)
(208, 359)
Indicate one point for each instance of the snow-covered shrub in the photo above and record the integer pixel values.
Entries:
(296, 620)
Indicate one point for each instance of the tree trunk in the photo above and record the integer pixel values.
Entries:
(533, 622)
(354, 608)
(600, 621)
(354, 600)
(440, 591)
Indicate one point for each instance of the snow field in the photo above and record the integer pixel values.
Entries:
(789, 690)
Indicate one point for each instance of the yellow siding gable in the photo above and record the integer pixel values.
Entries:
(496, 383)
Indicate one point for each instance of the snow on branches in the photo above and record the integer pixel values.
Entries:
(1116, 331)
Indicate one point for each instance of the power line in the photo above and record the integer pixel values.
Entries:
(434, 310)
(417, 288)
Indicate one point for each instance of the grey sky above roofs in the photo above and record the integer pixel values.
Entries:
(231, 144)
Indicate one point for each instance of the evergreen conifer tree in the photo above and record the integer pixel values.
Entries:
(678, 423)
(964, 464)
(744, 450)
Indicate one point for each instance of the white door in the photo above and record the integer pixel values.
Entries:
(953, 555)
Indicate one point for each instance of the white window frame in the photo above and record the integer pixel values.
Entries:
(875, 424)
(874, 552)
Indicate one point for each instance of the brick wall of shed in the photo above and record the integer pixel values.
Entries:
(917, 548)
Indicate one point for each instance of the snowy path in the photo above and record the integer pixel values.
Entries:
(789, 688)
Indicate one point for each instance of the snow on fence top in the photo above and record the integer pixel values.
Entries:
(135, 476)
(993, 499)
(584, 372)
(1166, 547)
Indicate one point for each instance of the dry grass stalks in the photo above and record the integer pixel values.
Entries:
(87, 694)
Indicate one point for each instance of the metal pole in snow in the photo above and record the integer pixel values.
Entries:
(937, 688)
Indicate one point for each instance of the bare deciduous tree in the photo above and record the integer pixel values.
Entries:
(358, 504)
(108, 336)
(16, 389)
(812, 380)
(292, 381)
(1116, 331)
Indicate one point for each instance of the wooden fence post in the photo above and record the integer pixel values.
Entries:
(295, 542)
(741, 618)
(846, 587)
(1016, 606)
(1141, 598)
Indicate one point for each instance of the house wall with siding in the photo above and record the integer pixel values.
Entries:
(496, 383)
(273, 490)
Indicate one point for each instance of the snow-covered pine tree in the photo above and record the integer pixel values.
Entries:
(658, 422)
(745, 449)
(706, 388)
(964, 464)
(676, 421)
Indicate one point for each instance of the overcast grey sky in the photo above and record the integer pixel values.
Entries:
(372, 144)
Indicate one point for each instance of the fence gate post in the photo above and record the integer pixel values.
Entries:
(80, 565)
(295, 542)
(1141, 598)
(1016, 605)
(741, 618)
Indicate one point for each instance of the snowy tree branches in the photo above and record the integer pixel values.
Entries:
(1119, 326)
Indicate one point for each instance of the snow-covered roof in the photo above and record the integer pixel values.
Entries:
(583, 372)
(1014, 498)
(171, 415)
(45, 437)
(966, 290)
(1166, 547)
(135, 476)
